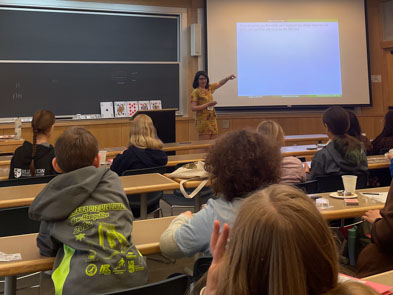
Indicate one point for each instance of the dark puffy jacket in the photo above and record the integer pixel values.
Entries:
(136, 158)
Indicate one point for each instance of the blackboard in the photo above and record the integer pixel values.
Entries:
(69, 61)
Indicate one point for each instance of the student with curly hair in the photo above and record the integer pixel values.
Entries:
(279, 245)
(239, 163)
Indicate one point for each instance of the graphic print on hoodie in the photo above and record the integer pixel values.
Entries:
(86, 223)
(20, 162)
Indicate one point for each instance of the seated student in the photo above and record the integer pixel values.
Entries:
(238, 163)
(292, 170)
(343, 154)
(355, 131)
(377, 257)
(35, 159)
(384, 141)
(279, 245)
(144, 150)
(86, 222)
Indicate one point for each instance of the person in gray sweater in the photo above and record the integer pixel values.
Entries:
(86, 222)
(344, 153)
(239, 163)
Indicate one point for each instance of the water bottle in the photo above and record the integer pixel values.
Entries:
(352, 245)
(18, 128)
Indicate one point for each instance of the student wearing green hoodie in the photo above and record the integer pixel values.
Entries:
(86, 222)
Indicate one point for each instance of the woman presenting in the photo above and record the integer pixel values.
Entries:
(203, 104)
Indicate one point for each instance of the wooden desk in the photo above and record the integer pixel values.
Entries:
(385, 278)
(340, 211)
(24, 195)
(377, 162)
(307, 151)
(205, 144)
(306, 138)
(10, 145)
(187, 145)
(145, 235)
(16, 196)
(181, 159)
(374, 162)
(112, 152)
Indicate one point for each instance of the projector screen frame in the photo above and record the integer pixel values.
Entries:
(290, 107)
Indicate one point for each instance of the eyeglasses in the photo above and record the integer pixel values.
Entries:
(202, 78)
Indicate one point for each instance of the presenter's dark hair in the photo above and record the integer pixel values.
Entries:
(195, 84)
(337, 121)
(387, 128)
(241, 162)
(75, 148)
(42, 123)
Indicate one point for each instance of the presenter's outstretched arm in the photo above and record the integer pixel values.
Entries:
(226, 79)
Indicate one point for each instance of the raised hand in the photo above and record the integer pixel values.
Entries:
(218, 244)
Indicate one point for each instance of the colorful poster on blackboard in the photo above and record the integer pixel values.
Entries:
(106, 109)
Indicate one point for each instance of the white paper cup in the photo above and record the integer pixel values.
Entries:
(349, 182)
(102, 157)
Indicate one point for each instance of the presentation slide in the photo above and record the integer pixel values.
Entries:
(287, 53)
(306, 55)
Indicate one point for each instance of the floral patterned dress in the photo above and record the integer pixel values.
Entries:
(206, 120)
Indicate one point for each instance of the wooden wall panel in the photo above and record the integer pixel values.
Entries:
(389, 65)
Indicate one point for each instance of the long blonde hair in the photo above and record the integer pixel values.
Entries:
(143, 134)
(272, 130)
(280, 244)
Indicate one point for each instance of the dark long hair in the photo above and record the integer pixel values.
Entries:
(387, 128)
(337, 121)
(195, 84)
(354, 126)
(42, 122)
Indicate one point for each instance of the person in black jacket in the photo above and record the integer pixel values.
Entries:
(35, 159)
(144, 150)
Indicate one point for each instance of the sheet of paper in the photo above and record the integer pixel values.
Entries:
(10, 257)
(380, 197)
